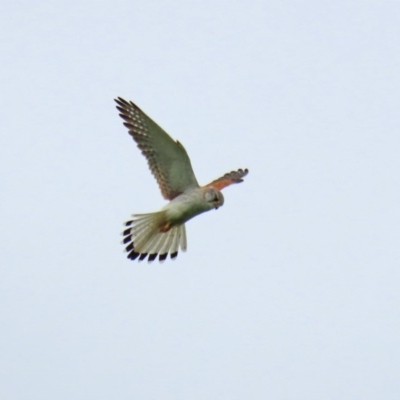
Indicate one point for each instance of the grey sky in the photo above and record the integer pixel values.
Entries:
(289, 291)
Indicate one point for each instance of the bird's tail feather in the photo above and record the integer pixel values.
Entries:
(144, 237)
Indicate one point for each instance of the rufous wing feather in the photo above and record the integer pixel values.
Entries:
(229, 179)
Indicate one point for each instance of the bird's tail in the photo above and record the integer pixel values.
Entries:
(149, 235)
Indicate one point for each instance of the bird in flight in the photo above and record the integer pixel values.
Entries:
(163, 232)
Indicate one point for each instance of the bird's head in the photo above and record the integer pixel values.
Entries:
(213, 197)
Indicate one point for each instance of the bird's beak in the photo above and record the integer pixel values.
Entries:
(216, 208)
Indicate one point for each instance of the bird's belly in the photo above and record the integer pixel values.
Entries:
(181, 210)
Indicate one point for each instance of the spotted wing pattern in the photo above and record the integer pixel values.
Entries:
(167, 158)
(229, 179)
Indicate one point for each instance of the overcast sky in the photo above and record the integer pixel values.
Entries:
(291, 290)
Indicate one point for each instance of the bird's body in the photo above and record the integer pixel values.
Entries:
(187, 205)
(162, 233)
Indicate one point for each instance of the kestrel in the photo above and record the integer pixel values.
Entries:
(163, 232)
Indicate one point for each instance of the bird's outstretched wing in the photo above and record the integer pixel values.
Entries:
(167, 158)
(229, 179)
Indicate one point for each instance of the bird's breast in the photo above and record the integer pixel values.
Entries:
(185, 207)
